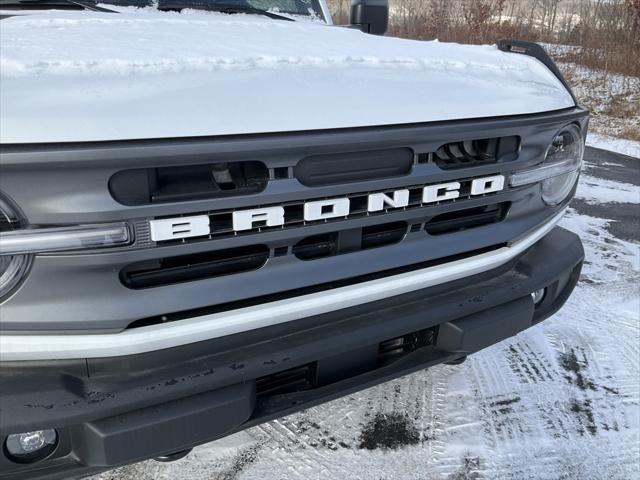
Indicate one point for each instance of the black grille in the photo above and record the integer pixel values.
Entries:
(288, 381)
(186, 268)
(382, 235)
(145, 186)
(465, 219)
(397, 347)
(324, 372)
(318, 246)
(354, 166)
(328, 245)
(172, 317)
(476, 152)
(172, 270)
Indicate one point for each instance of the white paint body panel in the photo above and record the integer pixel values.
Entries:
(141, 74)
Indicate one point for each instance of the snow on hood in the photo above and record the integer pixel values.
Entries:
(88, 76)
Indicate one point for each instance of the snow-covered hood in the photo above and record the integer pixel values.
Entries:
(85, 76)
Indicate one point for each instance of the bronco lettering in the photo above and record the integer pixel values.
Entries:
(171, 228)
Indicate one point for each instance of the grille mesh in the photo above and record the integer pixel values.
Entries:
(471, 153)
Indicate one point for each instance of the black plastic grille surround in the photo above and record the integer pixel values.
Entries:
(68, 184)
(171, 270)
(218, 263)
(348, 241)
(283, 295)
(287, 381)
(471, 153)
(144, 186)
(459, 220)
(342, 241)
(332, 169)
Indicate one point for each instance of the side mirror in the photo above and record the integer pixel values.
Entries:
(370, 16)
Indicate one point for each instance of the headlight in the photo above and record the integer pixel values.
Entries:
(566, 150)
(18, 243)
(559, 171)
(13, 268)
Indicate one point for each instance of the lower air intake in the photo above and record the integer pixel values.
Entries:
(470, 153)
(457, 221)
(288, 381)
(171, 270)
(349, 241)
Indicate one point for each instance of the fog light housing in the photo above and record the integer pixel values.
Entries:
(538, 296)
(30, 447)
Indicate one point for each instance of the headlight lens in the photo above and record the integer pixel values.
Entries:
(559, 172)
(567, 148)
(555, 190)
(13, 268)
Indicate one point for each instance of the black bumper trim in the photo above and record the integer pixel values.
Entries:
(101, 401)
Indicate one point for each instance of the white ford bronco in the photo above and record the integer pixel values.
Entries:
(216, 213)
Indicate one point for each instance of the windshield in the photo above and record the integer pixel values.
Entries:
(292, 7)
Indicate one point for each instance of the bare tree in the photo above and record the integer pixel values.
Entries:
(606, 33)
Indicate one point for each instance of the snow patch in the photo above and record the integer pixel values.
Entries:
(597, 190)
(630, 148)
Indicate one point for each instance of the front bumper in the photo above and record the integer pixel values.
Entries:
(118, 410)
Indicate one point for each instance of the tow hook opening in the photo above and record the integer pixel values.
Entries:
(457, 361)
(173, 457)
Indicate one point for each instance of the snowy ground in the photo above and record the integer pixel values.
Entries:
(629, 148)
(559, 401)
(612, 99)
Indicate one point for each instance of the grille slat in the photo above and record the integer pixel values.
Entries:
(171, 270)
(340, 168)
(470, 153)
(328, 245)
(288, 381)
(465, 219)
(145, 186)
